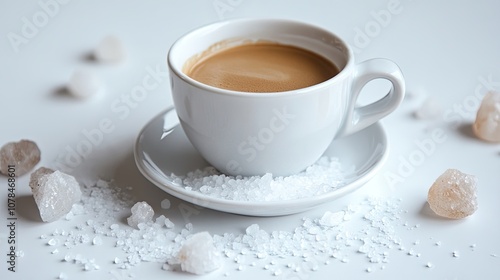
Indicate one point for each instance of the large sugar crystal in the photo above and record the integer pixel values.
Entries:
(453, 195)
(23, 155)
(487, 123)
(37, 174)
(54, 193)
(198, 254)
(142, 213)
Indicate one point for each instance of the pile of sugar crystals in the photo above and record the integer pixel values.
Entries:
(324, 176)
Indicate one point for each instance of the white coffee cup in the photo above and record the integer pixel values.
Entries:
(243, 133)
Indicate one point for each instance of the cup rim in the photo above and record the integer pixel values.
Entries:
(179, 73)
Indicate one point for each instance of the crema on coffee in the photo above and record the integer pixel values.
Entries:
(261, 67)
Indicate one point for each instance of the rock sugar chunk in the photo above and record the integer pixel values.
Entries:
(487, 123)
(453, 195)
(84, 83)
(24, 155)
(198, 254)
(142, 213)
(54, 192)
(110, 49)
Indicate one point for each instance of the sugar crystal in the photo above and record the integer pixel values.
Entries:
(110, 49)
(24, 155)
(253, 230)
(169, 224)
(84, 83)
(20, 253)
(54, 193)
(97, 240)
(198, 254)
(487, 123)
(429, 109)
(68, 258)
(453, 195)
(332, 219)
(141, 213)
(165, 204)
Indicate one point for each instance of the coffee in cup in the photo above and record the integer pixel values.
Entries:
(260, 67)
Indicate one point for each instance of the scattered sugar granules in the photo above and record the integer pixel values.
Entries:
(367, 228)
(322, 177)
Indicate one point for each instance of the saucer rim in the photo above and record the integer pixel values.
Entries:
(265, 208)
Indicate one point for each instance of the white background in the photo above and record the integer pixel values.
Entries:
(447, 49)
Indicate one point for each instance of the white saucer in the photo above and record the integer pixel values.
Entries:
(162, 148)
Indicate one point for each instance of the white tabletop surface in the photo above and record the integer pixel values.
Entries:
(449, 50)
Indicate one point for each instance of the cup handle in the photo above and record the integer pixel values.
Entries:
(360, 117)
